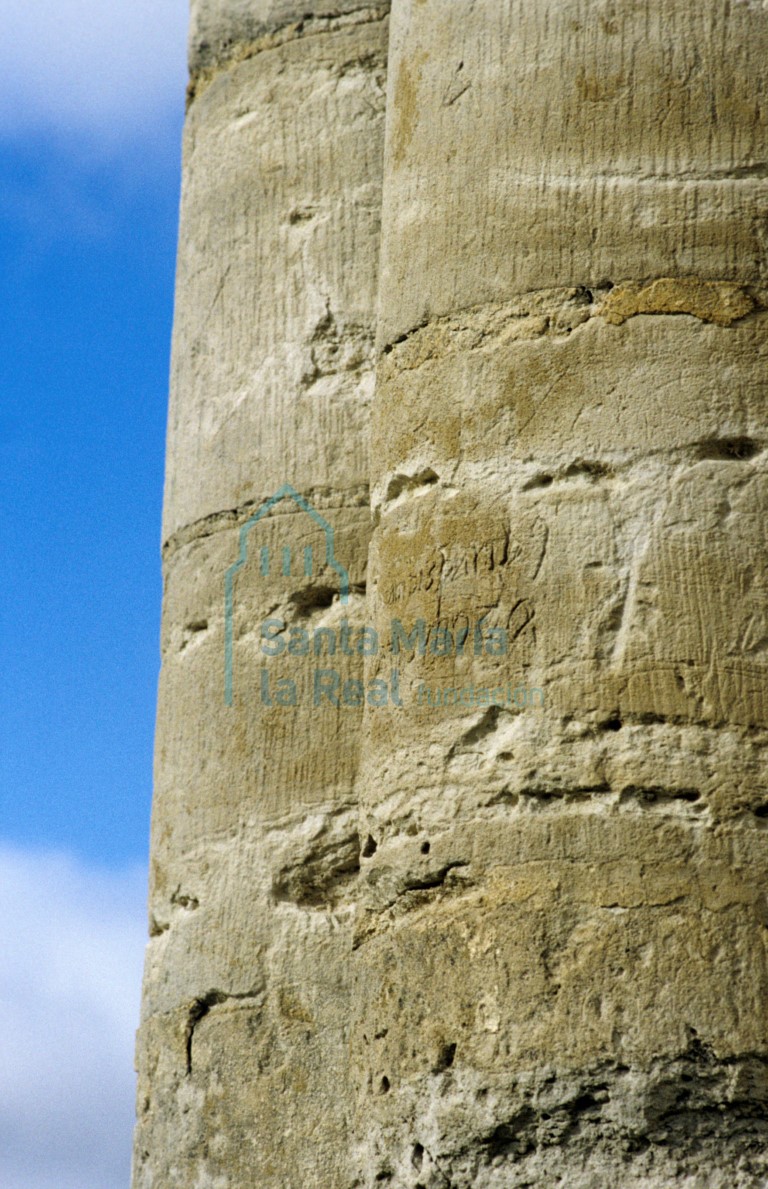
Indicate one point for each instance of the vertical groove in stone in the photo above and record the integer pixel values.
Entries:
(560, 966)
(243, 1045)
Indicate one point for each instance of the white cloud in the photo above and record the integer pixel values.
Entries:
(98, 66)
(71, 950)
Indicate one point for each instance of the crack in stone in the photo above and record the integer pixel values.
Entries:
(207, 526)
(560, 311)
(231, 55)
(200, 1008)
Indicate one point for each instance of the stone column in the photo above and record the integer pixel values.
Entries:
(561, 969)
(243, 1046)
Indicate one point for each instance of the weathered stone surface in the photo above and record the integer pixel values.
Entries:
(225, 30)
(533, 145)
(543, 382)
(713, 301)
(240, 1087)
(560, 945)
(243, 1044)
(272, 365)
(506, 926)
(248, 796)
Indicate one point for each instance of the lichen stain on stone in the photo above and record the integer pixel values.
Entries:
(594, 88)
(722, 302)
(405, 105)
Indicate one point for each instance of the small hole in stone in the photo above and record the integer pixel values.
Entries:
(425, 848)
(417, 1155)
(585, 1102)
(445, 1058)
(761, 811)
(370, 847)
(538, 481)
(583, 296)
(728, 449)
(384, 1087)
(611, 724)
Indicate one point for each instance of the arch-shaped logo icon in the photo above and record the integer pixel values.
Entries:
(285, 492)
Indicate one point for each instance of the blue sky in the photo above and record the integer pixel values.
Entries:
(86, 270)
(91, 107)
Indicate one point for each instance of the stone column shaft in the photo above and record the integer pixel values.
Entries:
(243, 1044)
(561, 960)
